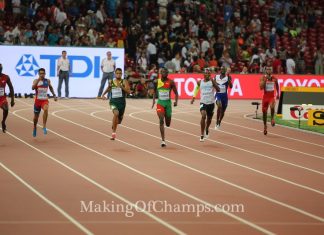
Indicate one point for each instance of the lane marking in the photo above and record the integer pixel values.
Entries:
(40, 195)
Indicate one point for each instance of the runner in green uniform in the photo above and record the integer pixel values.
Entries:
(162, 88)
(118, 88)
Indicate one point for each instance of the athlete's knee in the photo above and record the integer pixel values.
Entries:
(120, 119)
(5, 108)
(161, 121)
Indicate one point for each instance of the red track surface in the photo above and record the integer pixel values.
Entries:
(277, 179)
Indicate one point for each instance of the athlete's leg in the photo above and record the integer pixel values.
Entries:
(35, 119)
(272, 110)
(5, 109)
(265, 106)
(114, 123)
(45, 115)
(219, 113)
(203, 122)
(210, 114)
(224, 102)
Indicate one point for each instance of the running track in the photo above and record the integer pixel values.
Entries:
(278, 178)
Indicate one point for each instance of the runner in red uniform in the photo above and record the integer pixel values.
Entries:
(41, 86)
(268, 84)
(4, 80)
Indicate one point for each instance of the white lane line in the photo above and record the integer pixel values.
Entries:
(231, 146)
(251, 139)
(49, 202)
(184, 222)
(246, 222)
(198, 171)
(138, 208)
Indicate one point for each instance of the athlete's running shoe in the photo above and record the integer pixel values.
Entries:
(217, 127)
(113, 136)
(206, 134)
(265, 132)
(201, 138)
(163, 144)
(34, 132)
(273, 123)
(45, 131)
(4, 127)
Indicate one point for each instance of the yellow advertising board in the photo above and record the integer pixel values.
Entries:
(316, 117)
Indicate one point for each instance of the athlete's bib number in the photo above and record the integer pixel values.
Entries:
(42, 93)
(269, 86)
(222, 88)
(164, 95)
(2, 91)
(207, 95)
(116, 93)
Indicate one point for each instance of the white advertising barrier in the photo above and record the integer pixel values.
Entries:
(21, 63)
(288, 114)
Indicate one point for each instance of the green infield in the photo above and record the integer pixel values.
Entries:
(294, 124)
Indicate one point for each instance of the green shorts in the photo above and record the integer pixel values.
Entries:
(165, 107)
(119, 106)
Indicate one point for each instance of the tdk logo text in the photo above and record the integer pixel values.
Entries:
(28, 66)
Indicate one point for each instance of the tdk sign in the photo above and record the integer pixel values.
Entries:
(81, 66)
(27, 66)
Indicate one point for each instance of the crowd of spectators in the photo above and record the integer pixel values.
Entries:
(181, 35)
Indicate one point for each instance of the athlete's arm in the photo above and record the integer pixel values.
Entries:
(154, 93)
(215, 85)
(230, 84)
(51, 89)
(35, 83)
(125, 87)
(262, 83)
(195, 92)
(12, 95)
(175, 91)
(108, 89)
(277, 87)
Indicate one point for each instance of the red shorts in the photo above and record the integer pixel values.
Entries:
(39, 104)
(266, 101)
(3, 101)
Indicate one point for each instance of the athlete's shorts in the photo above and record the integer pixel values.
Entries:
(120, 107)
(266, 101)
(39, 105)
(3, 101)
(223, 99)
(164, 107)
(209, 109)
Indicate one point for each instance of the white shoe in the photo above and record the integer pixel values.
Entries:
(206, 135)
(202, 139)
(217, 126)
(163, 144)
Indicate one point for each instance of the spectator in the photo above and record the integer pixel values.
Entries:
(108, 66)
(244, 70)
(319, 60)
(63, 71)
(300, 63)
(290, 64)
(142, 63)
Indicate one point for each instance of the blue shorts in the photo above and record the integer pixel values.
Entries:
(223, 98)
